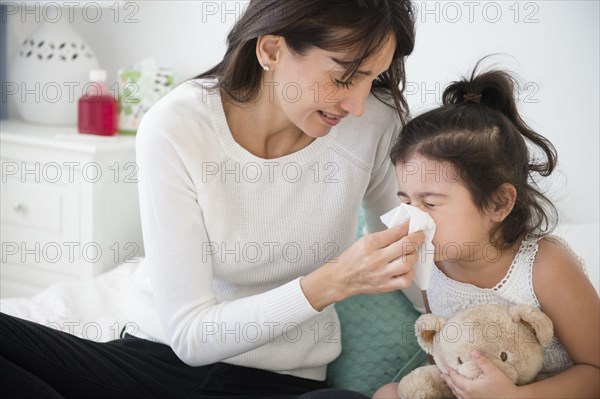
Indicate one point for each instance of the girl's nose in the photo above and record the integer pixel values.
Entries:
(421, 206)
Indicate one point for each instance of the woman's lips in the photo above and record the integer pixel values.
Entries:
(330, 119)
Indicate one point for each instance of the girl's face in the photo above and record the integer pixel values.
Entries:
(462, 230)
(310, 91)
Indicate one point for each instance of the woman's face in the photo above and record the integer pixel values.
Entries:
(309, 88)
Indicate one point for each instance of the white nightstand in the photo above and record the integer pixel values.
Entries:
(69, 205)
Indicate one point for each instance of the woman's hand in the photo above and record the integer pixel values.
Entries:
(377, 263)
(491, 383)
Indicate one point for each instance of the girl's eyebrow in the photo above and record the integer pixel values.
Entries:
(424, 194)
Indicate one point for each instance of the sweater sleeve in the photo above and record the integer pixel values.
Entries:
(174, 231)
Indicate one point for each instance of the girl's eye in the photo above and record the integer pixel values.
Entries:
(343, 84)
(428, 205)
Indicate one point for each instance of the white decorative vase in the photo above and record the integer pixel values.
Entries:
(51, 70)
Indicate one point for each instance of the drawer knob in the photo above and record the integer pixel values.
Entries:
(18, 207)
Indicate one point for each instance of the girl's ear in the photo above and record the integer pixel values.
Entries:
(268, 49)
(503, 201)
(426, 327)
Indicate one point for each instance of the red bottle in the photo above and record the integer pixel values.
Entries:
(97, 109)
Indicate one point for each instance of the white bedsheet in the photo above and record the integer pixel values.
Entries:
(90, 309)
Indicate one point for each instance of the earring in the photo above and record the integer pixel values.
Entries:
(265, 67)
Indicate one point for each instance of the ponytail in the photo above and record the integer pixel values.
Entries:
(495, 89)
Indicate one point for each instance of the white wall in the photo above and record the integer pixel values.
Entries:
(555, 45)
(555, 49)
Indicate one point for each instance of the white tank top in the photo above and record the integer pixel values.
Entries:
(446, 297)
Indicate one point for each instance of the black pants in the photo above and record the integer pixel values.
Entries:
(40, 362)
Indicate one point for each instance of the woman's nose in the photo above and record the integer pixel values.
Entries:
(354, 98)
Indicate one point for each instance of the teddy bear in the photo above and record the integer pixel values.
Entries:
(512, 338)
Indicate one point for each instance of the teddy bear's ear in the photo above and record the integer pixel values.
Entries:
(426, 327)
(536, 320)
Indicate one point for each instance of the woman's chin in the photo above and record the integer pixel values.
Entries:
(317, 131)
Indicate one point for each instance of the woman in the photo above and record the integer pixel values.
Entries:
(250, 179)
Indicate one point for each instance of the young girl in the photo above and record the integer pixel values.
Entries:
(471, 164)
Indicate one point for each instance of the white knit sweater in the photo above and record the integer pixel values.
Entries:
(227, 235)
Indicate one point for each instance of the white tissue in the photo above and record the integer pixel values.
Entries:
(419, 221)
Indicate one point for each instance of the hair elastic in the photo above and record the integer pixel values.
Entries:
(472, 97)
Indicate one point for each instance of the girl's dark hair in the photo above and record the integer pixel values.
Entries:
(480, 132)
(332, 25)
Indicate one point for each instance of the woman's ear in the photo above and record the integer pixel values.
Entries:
(268, 50)
(503, 201)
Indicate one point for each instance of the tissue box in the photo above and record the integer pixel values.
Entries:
(139, 89)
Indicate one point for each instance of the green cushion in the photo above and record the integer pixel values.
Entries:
(378, 341)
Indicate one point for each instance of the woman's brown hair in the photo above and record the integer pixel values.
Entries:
(359, 26)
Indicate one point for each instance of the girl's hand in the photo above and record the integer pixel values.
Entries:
(491, 383)
(377, 263)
